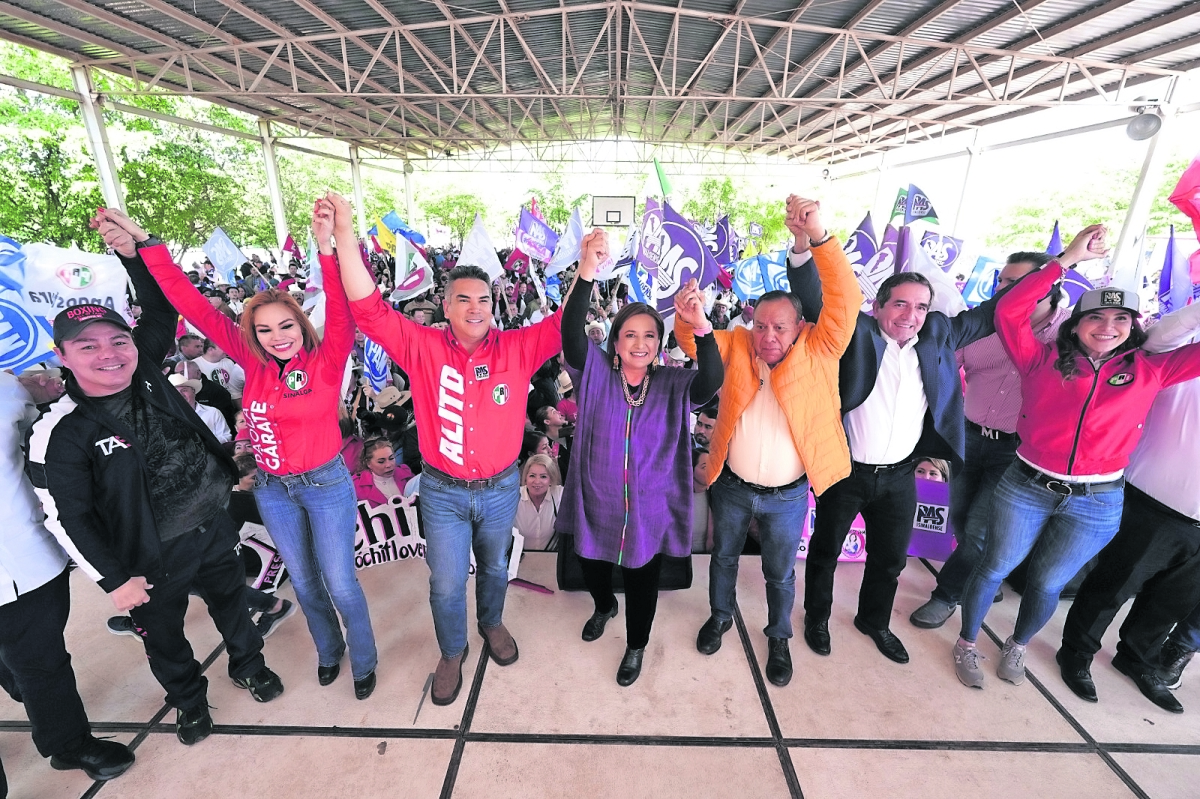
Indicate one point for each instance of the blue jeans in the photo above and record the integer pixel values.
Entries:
(780, 516)
(456, 521)
(1061, 532)
(311, 518)
(970, 509)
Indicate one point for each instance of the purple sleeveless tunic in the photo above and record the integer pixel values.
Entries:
(627, 510)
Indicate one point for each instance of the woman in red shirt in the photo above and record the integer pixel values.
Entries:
(290, 401)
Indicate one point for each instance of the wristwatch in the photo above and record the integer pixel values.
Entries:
(150, 241)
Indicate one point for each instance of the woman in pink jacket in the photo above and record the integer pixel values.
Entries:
(1084, 403)
(290, 401)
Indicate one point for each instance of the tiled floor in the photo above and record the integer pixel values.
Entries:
(556, 723)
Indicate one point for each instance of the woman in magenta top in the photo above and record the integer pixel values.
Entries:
(290, 401)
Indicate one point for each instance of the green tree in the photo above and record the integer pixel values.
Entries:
(454, 210)
(47, 193)
(552, 202)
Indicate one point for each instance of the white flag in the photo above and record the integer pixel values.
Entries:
(570, 245)
(413, 274)
(477, 250)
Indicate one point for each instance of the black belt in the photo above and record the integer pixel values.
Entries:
(1067, 487)
(762, 489)
(991, 432)
(473, 485)
(875, 468)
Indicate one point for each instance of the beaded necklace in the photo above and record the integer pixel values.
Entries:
(633, 403)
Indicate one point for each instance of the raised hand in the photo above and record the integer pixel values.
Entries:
(804, 218)
(1087, 245)
(323, 219)
(118, 231)
(343, 214)
(594, 251)
(689, 304)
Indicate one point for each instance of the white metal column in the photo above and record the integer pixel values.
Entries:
(972, 151)
(408, 195)
(93, 122)
(273, 187)
(360, 204)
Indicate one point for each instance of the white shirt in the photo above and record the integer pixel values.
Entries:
(29, 555)
(537, 524)
(885, 429)
(761, 450)
(225, 373)
(740, 321)
(215, 421)
(1163, 463)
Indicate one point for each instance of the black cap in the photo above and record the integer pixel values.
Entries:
(71, 322)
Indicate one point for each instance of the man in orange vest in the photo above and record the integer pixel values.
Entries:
(781, 385)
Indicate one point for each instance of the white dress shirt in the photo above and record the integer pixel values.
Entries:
(215, 421)
(29, 555)
(885, 429)
(1163, 463)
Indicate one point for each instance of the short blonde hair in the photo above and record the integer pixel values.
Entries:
(546, 462)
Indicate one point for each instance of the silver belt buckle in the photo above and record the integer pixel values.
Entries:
(1068, 490)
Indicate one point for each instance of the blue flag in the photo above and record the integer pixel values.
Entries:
(747, 278)
(942, 250)
(1055, 246)
(1175, 280)
(397, 225)
(224, 254)
(375, 364)
(917, 206)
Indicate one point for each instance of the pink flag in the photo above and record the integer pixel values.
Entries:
(1186, 196)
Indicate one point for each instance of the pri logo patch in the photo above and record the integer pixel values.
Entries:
(500, 394)
(76, 276)
(296, 380)
(481, 372)
(1123, 379)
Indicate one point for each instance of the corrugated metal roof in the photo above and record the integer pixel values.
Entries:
(760, 74)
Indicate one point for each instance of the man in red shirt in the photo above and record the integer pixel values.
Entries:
(469, 385)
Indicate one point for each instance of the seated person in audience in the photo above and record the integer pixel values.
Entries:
(379, 479)
(541, 494)
(935, 469)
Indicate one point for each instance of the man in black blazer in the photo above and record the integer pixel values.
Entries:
(901, 398)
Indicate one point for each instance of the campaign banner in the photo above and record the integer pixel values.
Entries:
(918, 207)
(535, 237)
(862, 244)
(774, 271)
(982, 281)
(25, 339)
(414, 275)
(397, 225)
(224, 254)
(878, 268)
(933, 536)
(50, 279)
(375, 364)
(677, 252)
(943, 250)
(747, 279)
(718, 238)
(756, 230)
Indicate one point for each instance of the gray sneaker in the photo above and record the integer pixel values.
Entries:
(966, 665)
(1012, 663)
(932, 614)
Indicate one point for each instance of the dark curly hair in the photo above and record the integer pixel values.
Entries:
(1069, 348)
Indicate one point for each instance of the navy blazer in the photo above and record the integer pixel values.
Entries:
(940, 336)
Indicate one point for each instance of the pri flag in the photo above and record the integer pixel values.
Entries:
(663, 182)
(224, 254)
(535, 237)
(1186, 196)
(413, 274)
(1055, 247)
(917, 207)
(677, 253)
(477, 249)
(290, 247)
(375, 364)
(517, 262)
(1175, 280)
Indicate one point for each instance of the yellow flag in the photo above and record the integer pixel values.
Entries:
(385, 237)
(749, 252)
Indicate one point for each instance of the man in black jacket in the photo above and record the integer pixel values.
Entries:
(129, 478)
(901, 397)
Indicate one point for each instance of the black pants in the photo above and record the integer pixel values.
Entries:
(204, 560)
(1155, 555)
(641, 595)
(35, 667)
(887, 501)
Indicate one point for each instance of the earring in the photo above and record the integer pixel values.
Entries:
(616, 362)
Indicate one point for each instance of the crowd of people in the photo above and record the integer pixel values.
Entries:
(600, 429)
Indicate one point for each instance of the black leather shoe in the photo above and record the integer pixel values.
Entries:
(100, 760)
(1149, 683)
(593, 628)
(193, 726)
(779, 662)
(709, 639)
(327, 674)
(364, 687)
(816, 635)
(885, 641)
(1077, 674)
(631, 666)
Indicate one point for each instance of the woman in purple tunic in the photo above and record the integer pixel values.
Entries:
(628, 495)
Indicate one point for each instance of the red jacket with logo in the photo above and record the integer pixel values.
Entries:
(1091, 423)
(291, 411)
(470, 409)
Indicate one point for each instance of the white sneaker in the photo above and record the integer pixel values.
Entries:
(966, 665)
(1012, 662)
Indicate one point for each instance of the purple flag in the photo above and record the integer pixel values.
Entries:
(677, 252)
(879, 267)
(917, 206)
(535, 237)
(1055, 246)
(862, 244)
(1075, 284)
(943, 250)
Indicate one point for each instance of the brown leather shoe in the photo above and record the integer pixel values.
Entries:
(447, 679)
(500, 644)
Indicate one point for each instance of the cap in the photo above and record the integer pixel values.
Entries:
(69, 324)
(243, 435)
(1100, 299)
(677, 354)
(179, 380)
